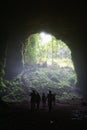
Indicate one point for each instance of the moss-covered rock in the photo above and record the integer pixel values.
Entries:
(58, 80)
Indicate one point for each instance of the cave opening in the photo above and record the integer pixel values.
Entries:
(48, 65)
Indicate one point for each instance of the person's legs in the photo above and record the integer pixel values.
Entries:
(32, 106)
(50, 106)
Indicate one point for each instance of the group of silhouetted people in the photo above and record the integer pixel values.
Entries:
(36, 99)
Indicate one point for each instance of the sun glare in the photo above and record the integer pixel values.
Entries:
(45, 38)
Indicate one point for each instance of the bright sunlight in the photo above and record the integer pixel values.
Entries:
(45, 38)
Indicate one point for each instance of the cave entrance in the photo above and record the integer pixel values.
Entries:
(48, 65)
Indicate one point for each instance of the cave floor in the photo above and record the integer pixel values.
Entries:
(62, 117)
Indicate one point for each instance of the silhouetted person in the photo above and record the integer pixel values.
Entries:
(33, 100)
(43, 99)
(49, 99)
(38, 99)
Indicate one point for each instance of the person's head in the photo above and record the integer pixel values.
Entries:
(33, 91)
(50, 91)
(43, 93)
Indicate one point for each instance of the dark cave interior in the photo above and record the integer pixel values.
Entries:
(66, 21)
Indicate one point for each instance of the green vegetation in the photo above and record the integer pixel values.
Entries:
(50, 50)
(2, 73)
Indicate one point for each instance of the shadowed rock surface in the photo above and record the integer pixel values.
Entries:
(62, 117)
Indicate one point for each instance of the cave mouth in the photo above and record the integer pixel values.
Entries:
(48, 65)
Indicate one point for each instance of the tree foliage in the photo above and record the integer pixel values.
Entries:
(53, 51)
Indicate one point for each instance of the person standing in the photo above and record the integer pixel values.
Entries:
(33, 100)
(38, 99)
(43, 99)
(49, 99)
